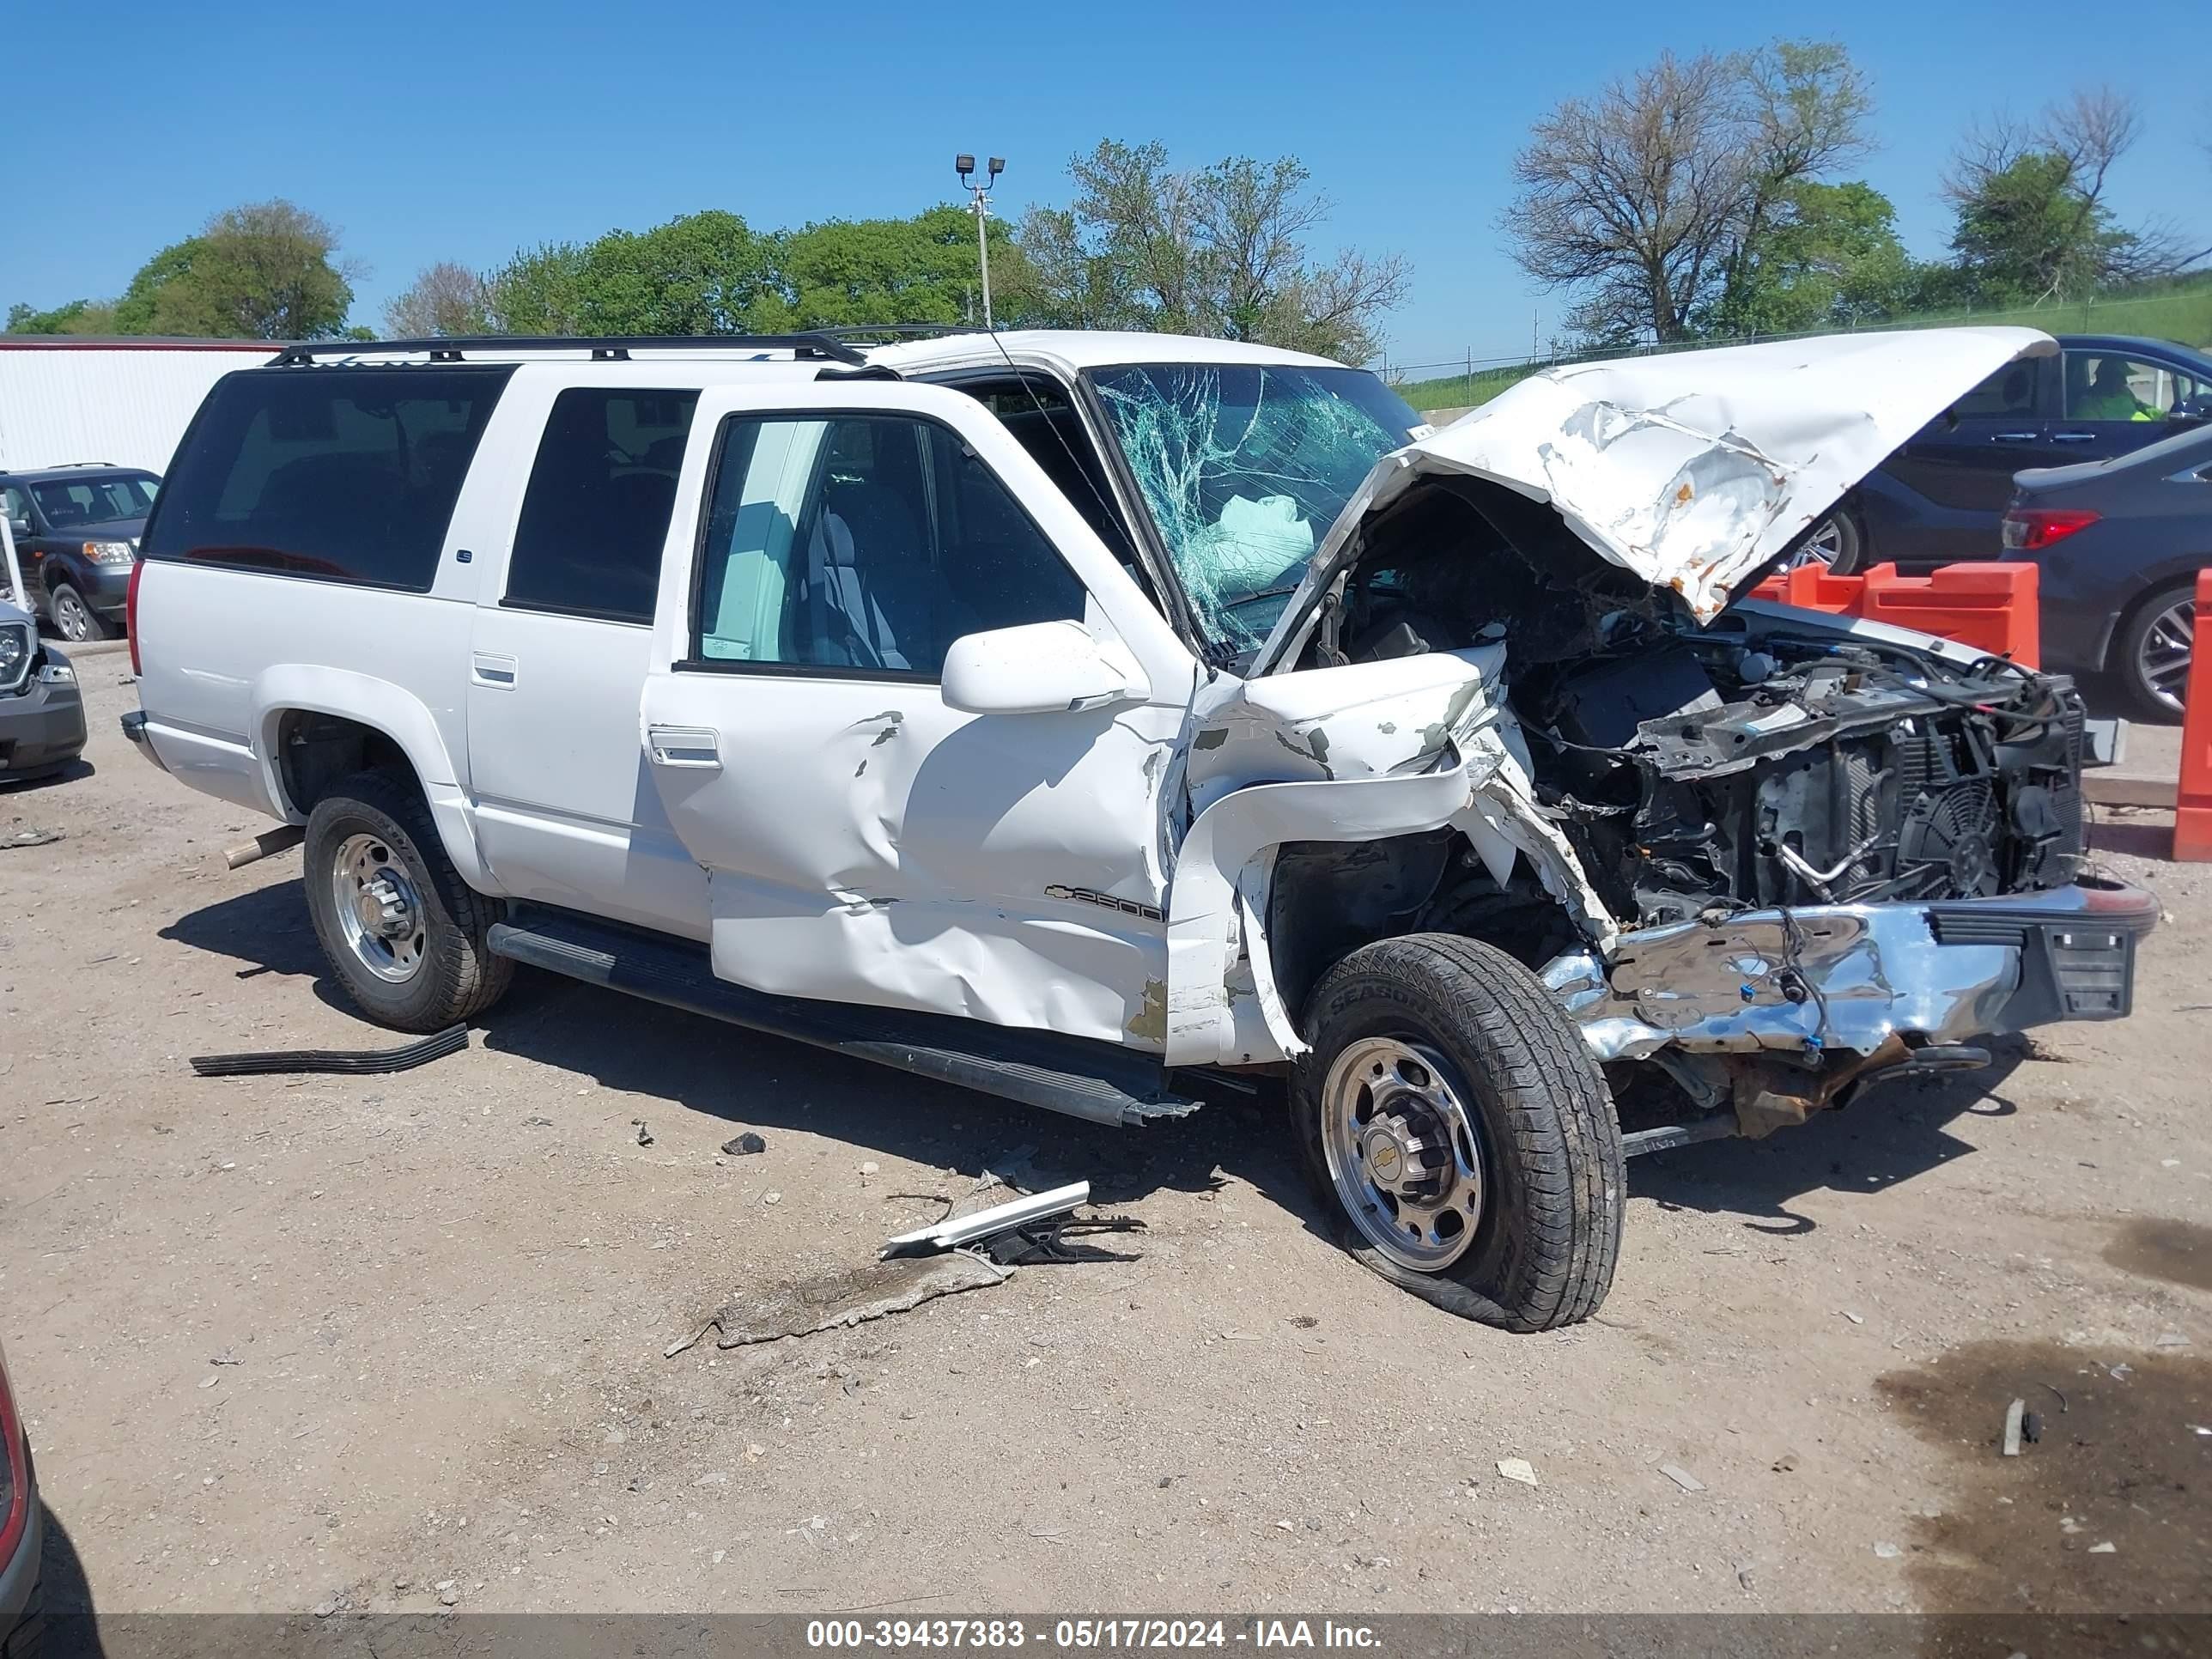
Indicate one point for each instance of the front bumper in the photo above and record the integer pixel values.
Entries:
(1852, 977)
(41, 726)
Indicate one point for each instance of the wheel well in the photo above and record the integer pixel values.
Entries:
(1331, 898)
(314, 750)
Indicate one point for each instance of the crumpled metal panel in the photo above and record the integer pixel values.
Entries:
(1837, 977)
(1692, 469)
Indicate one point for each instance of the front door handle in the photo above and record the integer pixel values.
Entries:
(2012, 437)
(490, 668)
(2073, 437)
(695, 746)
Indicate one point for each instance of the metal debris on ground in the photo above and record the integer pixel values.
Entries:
(1518, 1468)
(29, 838)
(361, 1062)
(1786, 1464)
(850, 1296)
(2103, 1549)
(644, 1134)
(1681, 1477)
(1888, 1552)
(2031, 1427)
(953, 1231)
(744, 1144)
(2015, 1416)
(2172, 1339)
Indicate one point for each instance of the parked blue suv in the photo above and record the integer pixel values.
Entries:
(1940, 498)
(77, 535)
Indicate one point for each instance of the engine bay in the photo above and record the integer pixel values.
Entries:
(1702, 770)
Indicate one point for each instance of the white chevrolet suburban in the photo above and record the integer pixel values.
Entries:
(1074, 715)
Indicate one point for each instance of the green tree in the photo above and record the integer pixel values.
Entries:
(77, 317)
(847, 272)
(700, 273)
(1827, 256)
(1222, 250)
(266, 270)
(2032, 222)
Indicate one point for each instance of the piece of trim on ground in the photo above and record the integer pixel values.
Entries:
(955, 1230)
(365, 1062)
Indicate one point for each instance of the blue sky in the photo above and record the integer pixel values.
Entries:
(462, 131)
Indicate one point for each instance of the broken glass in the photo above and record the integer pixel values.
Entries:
(1244, 468)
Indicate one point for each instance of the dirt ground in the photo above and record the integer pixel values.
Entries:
(395, 1342)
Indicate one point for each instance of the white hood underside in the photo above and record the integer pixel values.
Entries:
(1694, 469)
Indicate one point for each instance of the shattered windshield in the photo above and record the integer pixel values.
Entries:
(1244, 468)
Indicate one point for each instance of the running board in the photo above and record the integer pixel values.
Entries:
(1095, 1081)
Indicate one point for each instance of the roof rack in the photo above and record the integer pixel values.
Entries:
(611, 348)
(847, 332)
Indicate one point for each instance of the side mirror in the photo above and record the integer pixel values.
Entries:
(1039, 668)
(20, 528)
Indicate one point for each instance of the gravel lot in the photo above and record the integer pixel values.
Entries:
(390, 1342)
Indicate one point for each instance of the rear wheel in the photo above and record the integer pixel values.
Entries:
(74, 620)
(1451, 1117)
(2154, 648)
(405, 934)
(1837, 542)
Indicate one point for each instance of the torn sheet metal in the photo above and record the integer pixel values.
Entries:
(1692, 469)
(850, 1296)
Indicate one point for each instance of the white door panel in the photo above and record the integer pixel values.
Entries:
(566, 810)
(865, 842)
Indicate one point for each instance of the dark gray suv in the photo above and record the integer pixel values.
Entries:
(76, 532)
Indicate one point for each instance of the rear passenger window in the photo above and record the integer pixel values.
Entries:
(864, 545)
(339, 474)
(600, 496)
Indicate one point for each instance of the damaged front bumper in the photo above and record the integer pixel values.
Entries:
(1858, 977)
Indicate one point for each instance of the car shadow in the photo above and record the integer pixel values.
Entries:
(72, 1630)
(77, 769)
(755, 1080)
(1896, 1132)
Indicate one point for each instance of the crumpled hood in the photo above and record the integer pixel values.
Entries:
(1694, 469)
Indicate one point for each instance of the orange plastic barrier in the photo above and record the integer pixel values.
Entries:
(1993, 607)
(1813, 588)
(2192, 802)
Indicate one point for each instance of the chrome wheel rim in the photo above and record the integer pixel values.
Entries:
(1403, 1151)
(379, 913)
(69, 618)
(1823, 547)
(2163, 657)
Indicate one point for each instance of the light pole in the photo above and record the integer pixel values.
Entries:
(980, 194)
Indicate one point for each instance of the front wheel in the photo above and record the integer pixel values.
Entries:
(74, 620)
(1450, 1116)
(405, 935)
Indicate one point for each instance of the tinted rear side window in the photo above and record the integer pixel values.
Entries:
(345, 475)
(600, 496)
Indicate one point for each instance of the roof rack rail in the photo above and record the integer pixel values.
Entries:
(903, 330)
(611, 347)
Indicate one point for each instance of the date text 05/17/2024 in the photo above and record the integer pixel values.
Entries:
(1081, 1634)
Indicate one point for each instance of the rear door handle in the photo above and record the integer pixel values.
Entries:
(696, 746)
(491, 669)
(2012, 437)
(2073, 437)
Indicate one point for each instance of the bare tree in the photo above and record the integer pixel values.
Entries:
(2031, 199)
(1220, 250)
(444, 299)
(1646, 199)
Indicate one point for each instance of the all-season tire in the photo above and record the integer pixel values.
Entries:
(2135, 651)
(453, 975)
(1548, 1155)
(74, 620)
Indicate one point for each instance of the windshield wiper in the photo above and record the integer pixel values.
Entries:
(1264, 593)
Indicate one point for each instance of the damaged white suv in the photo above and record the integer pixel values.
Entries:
(1073, 715)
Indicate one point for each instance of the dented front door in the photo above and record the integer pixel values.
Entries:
(864, 842)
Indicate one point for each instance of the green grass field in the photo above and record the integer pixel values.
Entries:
(2182, 313)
